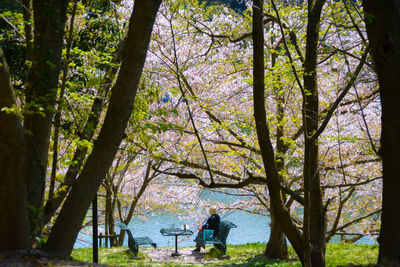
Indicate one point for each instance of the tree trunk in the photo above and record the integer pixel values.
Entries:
(314, 218)
(68, 223)
(49, 22)
(111, 222)
(14, 227)
(276, 246)
(383, 29)
(109, 215)
(278, 207)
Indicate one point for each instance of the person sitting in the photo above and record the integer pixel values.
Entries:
(213, 223)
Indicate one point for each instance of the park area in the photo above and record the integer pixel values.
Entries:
(240, 255)
(266, 131)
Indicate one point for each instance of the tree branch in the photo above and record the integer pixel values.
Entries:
(340, 97)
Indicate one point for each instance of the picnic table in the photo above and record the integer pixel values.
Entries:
(175, 232)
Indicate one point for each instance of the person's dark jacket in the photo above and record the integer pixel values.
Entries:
(213, 223)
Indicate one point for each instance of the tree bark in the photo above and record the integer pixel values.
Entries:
(383, 28)
(68, 223)
(27, 14)
(278, 207)
(14, 227)
(276, 246)
(314, 218)
(45, 54)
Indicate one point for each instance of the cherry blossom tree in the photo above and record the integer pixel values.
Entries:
(219, 128)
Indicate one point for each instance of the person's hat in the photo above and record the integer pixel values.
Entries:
(213, 211)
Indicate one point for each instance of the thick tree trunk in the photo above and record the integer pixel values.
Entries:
(276, 246)
(278, 207)
(383, 28)
(27, 14)
(14, 227)
(314, 218)
(86, 134)
(49, 22)
(68, 223)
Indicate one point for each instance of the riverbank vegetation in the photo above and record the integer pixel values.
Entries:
(240, 255)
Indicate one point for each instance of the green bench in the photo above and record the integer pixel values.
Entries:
(135, 242)
(219, 241)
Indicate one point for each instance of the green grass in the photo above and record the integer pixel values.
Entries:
(240, 255)
(343, 254)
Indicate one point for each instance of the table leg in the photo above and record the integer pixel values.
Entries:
(176, 253)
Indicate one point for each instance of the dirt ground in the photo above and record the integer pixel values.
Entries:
(164, 254)
(38, 259)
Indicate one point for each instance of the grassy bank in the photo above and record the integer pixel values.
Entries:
(240, 255)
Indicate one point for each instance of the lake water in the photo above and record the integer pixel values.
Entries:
(251, 228)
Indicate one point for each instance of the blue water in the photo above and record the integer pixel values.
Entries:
(250, 228)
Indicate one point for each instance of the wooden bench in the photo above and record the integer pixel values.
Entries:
(135, 242)
(219, 241)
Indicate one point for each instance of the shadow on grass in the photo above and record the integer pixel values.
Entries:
(261, 260)
(250, 260)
